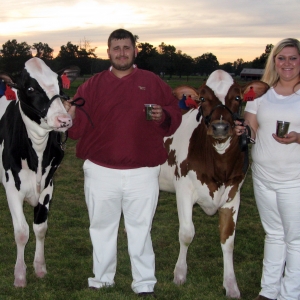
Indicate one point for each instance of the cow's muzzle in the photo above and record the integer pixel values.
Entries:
(220, 129)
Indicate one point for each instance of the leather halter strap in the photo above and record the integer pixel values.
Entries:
(42, 113)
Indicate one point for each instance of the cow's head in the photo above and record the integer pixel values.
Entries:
(40, 92)
(220, 102)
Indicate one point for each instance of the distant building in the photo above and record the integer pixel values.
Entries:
(252, 74)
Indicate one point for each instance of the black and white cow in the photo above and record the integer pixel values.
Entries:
(30, 152)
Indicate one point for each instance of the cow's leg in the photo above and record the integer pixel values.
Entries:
(40, 228)
(39, 257)
(227, 221)
(186, 233)
(21, 232)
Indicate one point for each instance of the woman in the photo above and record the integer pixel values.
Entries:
(276, 170)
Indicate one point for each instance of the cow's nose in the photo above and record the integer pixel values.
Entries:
(64, 121)
(220, 128)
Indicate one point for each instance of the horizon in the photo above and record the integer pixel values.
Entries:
(237, 29)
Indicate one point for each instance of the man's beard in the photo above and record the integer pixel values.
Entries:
(122, 67)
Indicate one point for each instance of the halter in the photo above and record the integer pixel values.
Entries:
(207, 119)
(42, 113)
(61, 138)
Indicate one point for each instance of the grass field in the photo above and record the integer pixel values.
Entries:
(68, 248)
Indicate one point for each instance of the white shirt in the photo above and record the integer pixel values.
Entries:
(271, 160)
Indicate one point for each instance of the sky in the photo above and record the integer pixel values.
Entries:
(229, 29)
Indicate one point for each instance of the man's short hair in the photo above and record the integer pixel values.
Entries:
(121, 34)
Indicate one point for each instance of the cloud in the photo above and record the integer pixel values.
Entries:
(229, 29)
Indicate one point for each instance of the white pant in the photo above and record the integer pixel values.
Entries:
(108, 192)
(279, 209)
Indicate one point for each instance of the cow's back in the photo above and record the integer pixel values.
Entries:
(177, 146)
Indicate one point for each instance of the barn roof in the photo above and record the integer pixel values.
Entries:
(252, 72)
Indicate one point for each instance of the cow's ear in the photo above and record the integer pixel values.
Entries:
(259, 88)
(72, 72)
(185, 90)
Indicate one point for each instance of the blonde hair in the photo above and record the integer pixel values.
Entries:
(270, 76)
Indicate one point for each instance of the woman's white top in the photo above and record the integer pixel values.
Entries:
(271, 160)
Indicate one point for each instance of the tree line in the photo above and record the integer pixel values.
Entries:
(165, 60)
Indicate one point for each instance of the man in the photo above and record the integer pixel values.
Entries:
(123, 152)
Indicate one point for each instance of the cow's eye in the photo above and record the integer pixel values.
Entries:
(202, 99)
(238, 98)
(30, 89)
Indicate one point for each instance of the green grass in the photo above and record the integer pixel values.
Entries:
(194, 81)
(68, 249)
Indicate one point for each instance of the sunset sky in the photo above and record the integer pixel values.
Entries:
(230, 29)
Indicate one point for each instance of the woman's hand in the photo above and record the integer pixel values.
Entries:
(239, 127)
(291, 137)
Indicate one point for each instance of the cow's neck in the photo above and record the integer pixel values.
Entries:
(221, 147)
(39, 137)
(36, 134)
(39, 142)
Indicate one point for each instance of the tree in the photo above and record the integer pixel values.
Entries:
(161, 60)
(260, 62)
(167, 58)
(87, 56)
(68, 55)
(184, 64)
(166, 49)
(206, 63)
(99, 65)
(14, 49)
(71, 54)
(227, 67)
(147, 54)
(238, 66)
(68, 51)
(43, 51)
(268, 49)
(86, 50)
(14, 55)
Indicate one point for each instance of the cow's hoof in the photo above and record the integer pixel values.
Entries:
(20, 282)
(40, 274)
(40, 270)
(179, 280)
(180, 275)
(231, 287)
(233, 295)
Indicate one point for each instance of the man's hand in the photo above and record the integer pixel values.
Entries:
(71, 109)
(157, 113)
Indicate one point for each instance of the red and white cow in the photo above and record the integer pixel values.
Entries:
(30, 152)
(206, 166)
